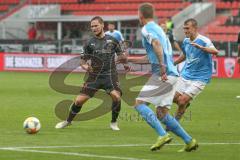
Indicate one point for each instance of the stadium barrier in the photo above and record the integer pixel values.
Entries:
(226, 67)
(1, 62)
(35, 62)
(223, 67)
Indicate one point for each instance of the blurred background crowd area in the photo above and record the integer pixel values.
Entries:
(62, 26)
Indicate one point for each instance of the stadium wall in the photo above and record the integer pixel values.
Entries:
(37, 62)
(1, 62)
(223, 67)
(226, 67)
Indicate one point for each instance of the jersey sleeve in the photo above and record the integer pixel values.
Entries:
(118, 48)
(87, 52)
(148, 35)
(121, 36)
(107, 33)
(209, 44)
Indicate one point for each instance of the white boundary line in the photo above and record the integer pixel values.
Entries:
(113, 145)
(73, 154)
(31, 149)
(80, 146)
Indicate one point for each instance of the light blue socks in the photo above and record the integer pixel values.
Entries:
(176, 128)
(150, 117)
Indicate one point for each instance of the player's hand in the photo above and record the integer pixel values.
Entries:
(87, 67)
(163, 72)
(127, 68)
(196, 45)
(122, 59)
(164, 77)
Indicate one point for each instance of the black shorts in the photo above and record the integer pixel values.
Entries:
(96, 82)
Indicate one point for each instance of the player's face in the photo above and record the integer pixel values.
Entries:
(189, 30)
(97, 27)
(111, 27)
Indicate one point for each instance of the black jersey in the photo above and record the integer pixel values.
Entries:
(101, 52)
(171, 38)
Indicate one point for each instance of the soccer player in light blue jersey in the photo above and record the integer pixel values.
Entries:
(197, 71)
(159, 90)
(114, 33)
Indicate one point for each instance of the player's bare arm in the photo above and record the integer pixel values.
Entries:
(180, 59)
(122, 58)
(159, 52)
(142, 59)
(211, 50)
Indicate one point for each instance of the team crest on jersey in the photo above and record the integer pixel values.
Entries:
(108, 46)
(229, 66)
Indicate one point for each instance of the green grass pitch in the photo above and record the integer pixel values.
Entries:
(213, 119)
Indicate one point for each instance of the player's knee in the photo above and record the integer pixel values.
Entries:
(182, 101)
(79, 101)
(116, 98)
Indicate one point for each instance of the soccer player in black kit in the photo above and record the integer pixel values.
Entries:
(102, 73)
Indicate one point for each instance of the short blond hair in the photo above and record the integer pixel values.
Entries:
(192, 21)
(147, 10)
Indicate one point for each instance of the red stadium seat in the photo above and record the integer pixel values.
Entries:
(3, 8)
(9, 1)
(235, 5)
(234, 12)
